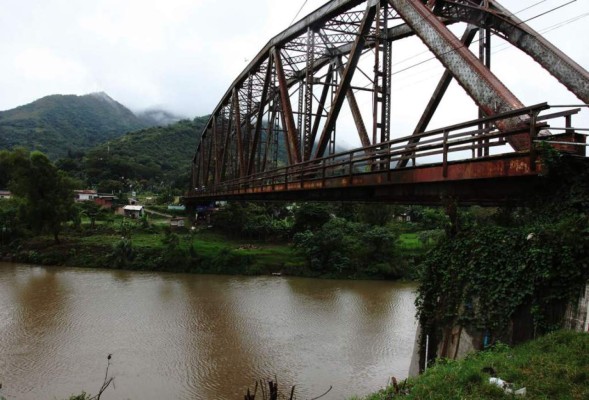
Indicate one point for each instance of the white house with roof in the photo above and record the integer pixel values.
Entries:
(85, 195)
(133, 211)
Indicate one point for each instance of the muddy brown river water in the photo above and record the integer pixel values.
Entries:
(176, 336)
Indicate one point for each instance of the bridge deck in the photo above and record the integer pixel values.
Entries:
(489, 180)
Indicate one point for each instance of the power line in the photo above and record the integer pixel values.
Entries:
(427, 51)
(500, 48)
(298, 12)
(454, 50)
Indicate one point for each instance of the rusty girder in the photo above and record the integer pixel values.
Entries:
(316, 65)
(491, 14)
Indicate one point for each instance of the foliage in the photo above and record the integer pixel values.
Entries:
(45, 193)
(311, 216)
(376, 214)
(122, 253)
(535, 262)
(482, 277)
(93, 211)
(151, 159)
(253, 221)
(349, 248)
(11, 226)
(555, 366)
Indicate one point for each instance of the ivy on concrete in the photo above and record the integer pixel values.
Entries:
(537, 259)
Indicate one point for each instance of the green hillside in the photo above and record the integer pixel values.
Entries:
(59, 124)
(151, 155)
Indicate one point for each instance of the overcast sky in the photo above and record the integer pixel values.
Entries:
(182, 55)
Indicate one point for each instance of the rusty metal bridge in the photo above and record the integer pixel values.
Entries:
(274, 134)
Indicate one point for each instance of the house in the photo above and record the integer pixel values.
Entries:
(5, 194)
(104, 200)
(177, 222)
(85, 195)
(135, 211)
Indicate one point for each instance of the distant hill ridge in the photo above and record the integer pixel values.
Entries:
(57, 124)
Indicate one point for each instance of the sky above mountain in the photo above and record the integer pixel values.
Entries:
(182, 55)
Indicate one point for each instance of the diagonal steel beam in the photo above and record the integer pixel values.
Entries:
(346, 78)
(356, 114)
(292, 139)
(562, 67)
(320, 108)
(437, 96)
(481, 84)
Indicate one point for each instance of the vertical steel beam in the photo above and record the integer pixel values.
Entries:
(291, 131)
(381, 121)
(194, 174)
(485, 57)
(201, 164)
(483, 86)
(247, 122)
(227, 132)
(300, 116)
(216, 169)
(238, 133)
(307, 143)
(260, 117)
(346, 79)
(320, 107)
(209, 149)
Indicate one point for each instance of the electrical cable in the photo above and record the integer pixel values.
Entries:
(453, 50)
(298, 12)
(427, 51)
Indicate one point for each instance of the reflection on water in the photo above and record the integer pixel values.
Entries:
(180, 336)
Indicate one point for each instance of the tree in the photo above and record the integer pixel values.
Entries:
(46, 192)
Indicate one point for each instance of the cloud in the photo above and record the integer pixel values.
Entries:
(184, 54)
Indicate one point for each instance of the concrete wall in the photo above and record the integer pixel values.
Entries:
(576, 315)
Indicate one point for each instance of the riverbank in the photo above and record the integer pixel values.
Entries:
(156, 248)
(555, 366)
(152, 250)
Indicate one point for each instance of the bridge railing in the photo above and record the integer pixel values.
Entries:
(448, 144)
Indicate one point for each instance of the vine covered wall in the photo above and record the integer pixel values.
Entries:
(516, 273)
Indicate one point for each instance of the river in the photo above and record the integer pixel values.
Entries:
(178, 336)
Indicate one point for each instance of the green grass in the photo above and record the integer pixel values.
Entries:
(82, 248)
(555, 366)
(410, 241)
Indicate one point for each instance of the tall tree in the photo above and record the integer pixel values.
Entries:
(46, 192)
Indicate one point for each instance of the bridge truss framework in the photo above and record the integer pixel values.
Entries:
(273, 135)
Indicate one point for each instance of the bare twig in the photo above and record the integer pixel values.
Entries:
(107, 380)
(318, 397)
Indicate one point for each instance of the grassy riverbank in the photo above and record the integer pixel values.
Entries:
(198, 252)
(555, 366)
(137, 245)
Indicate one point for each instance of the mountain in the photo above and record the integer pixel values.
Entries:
(154, 154)
(57, 124)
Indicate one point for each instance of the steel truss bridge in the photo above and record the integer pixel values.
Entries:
(273, 134)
